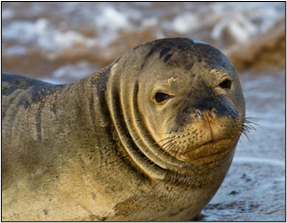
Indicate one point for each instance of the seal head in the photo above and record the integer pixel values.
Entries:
(178, 108)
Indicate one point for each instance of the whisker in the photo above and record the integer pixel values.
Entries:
(249, 126)
(158, 143)
(252, 123)
(178, 150)
(165, 139)
(167, 149)
(168, 146)
(172, 149)
(244, 133)
(166, 143)
(254, 118)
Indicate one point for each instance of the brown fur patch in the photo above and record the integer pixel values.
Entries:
(128, 207)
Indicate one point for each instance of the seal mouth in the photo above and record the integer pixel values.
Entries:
(212, 149)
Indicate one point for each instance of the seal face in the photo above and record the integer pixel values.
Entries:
(182, 105)
(150, 137)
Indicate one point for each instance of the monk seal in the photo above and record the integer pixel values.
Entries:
(150, 137)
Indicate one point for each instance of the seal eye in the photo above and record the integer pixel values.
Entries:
(160, 97)
(226, 84)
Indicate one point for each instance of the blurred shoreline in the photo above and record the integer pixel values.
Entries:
(267, 52)
(67, 41)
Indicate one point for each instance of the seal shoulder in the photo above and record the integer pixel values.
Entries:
(23, 91)
(12, 82)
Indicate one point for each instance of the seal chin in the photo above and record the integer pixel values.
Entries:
(208, 152)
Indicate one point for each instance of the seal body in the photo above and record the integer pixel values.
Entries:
(150, 137)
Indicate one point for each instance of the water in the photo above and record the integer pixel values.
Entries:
(61, 42)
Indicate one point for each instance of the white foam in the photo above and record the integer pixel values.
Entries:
(111, 19)
(30, 32)
(7, 14)
(238, 28)
(241, 22)
(15, 50)
(72, 72)
(108, 22)
(70, 38)
(44, 35)
(185, 23)
(150, 22)
(23, 29)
